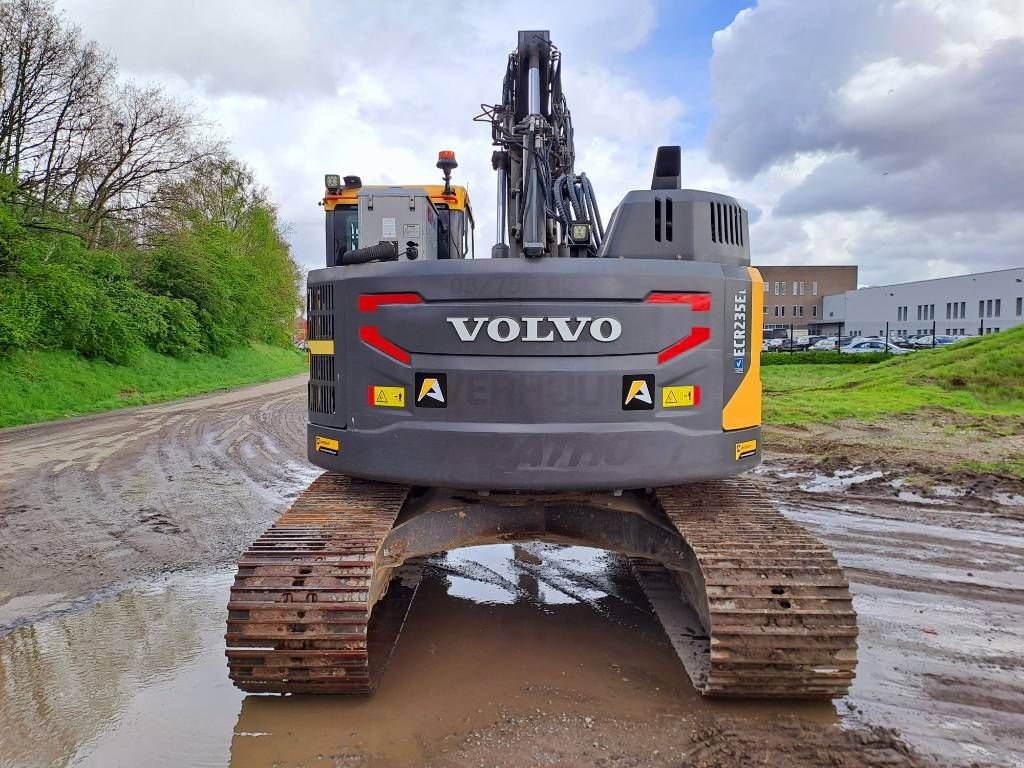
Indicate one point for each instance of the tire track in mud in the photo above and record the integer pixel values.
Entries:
(938, 587)
(88, 504)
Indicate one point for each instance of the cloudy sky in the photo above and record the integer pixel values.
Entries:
(886, 133)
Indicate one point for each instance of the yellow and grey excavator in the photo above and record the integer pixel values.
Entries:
(586, 384)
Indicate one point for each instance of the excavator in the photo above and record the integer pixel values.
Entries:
(588, 384)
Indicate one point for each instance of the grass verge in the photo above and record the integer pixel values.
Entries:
(981, 377)
(40, 386)
(958, 409)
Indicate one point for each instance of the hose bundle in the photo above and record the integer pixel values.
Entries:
(573, 199)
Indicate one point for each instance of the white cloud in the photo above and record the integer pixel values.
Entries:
(895, 128)
(302, 89)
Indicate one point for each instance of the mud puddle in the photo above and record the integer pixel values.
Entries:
(495, 633)
(511, 655)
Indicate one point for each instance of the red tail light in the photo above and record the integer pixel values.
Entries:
(699, 302)
(369, 302)
(697, 336)
(371, 336)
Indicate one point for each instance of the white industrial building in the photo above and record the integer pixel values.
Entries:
(986, 302)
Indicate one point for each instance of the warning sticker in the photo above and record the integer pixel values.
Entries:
(411, 232)
(386, 397)
(389, 228)
(679, 397)
(636, 393)
(746, 448)
(326, 445)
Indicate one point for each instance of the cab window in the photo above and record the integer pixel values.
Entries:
(451, 242)
(346, 230)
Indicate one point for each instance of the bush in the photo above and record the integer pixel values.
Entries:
(816, 357)
(204, 288)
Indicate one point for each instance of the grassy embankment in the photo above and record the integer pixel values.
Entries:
(44, 385)
(980, 381)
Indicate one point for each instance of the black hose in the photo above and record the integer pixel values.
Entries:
(385, 251)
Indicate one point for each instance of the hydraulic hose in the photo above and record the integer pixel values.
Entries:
(385, 251)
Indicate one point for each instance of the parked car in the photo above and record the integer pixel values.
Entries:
(775, 344)
(806, 342)
(922, 342)
(873, 345)
(831, 343)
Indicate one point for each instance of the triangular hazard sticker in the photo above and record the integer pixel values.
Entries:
(381, 397)
(671, 397)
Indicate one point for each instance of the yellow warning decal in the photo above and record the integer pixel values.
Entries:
(327, 445)
(678, 397)
(386, 397)
(320, 347)
(746, 448)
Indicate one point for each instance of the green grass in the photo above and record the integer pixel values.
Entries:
(981, 377)
(40, 386)
(820, 357)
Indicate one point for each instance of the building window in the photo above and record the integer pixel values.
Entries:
(783, 287)
(988, 308)
(981, 308)
(814, 288)
(931, 311)
(795, 287)
(949, 312)
(1020, 306)
(999, 304)
(776, 310)
(783, 308)
(776, 287)
(767, 285)
(963, 309)
(766, 309)
(814, 310)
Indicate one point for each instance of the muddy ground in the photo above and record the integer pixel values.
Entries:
(117, 535)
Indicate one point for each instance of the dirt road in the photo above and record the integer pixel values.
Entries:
(535, 655)
(91, 503)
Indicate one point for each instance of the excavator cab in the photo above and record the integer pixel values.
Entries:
(443, 209)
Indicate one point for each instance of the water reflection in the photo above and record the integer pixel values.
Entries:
(76, 688)
(140, 679)
(474, 650)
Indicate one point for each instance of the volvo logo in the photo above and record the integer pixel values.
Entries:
(503, 329)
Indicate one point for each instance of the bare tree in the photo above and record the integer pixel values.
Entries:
(49, 81)
(219, 189)
(143, 139)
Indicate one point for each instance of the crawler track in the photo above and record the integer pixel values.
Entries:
(299, 612)
(767, 613)
(773, 616)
